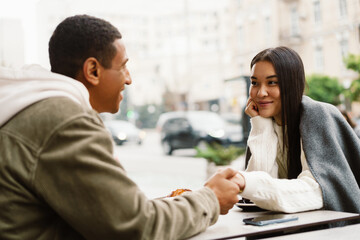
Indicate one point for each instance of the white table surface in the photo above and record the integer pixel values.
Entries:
(339, 233)
(231, 225)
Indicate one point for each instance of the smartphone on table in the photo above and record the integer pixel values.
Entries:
(270, 219)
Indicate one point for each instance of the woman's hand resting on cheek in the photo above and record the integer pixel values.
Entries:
(251, 109)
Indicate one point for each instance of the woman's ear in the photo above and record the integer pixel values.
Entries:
(91, 70)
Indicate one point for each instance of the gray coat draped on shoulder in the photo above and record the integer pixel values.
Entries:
(332, 151)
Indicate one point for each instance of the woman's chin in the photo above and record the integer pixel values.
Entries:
(265, 115)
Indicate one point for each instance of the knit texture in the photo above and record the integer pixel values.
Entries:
(263, 185)
(333, 153)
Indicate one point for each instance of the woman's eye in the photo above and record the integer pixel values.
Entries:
(273, 83)
(253, 83)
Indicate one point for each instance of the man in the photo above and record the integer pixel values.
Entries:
(59, 179)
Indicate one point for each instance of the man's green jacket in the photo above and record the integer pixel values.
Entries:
(59, 180)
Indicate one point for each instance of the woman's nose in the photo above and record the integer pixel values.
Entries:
(262, 91)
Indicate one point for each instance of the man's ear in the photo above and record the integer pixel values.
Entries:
(92, 71)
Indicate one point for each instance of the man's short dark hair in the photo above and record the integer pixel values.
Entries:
(79, 37)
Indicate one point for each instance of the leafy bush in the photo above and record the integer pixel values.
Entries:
(353, 93)
(219, 154)
(353, 62)
(324, 89)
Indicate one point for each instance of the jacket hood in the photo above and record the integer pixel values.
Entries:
(20, 88)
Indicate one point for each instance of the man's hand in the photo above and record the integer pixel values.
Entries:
(239, 180)
(225, 189)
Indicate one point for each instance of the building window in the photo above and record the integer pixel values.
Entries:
(319, 59)
(267, 26)
(241, 69)
(295, 30)
(343, 8)
(344, 51)
(344, 48)
(317, 12)
(241, 37)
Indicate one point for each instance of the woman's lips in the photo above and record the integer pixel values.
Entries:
(264, 103)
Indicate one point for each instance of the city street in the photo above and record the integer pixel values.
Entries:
(157, 174)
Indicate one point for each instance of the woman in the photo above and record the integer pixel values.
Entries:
(302, 154)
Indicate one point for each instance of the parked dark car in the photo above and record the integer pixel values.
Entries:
(123, 131)
(181, 130)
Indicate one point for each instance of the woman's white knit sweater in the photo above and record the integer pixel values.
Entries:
(263, 186)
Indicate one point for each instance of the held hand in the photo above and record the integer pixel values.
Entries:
(240, 181)
(251, 109)
(224, 188)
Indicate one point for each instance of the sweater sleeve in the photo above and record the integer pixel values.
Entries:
(284, 195)
(262, 142)
(79, 179)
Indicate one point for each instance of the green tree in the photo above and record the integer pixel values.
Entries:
(324, 88)
(353, 62)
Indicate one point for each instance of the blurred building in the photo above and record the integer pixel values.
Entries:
(49, 15)
(322, 32)
(11, 45)
(177, 49)
(189, 54)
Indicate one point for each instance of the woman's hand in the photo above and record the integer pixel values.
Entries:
(252, 110)
(226, 188)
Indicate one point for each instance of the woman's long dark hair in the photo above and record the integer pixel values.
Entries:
(291, 75)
